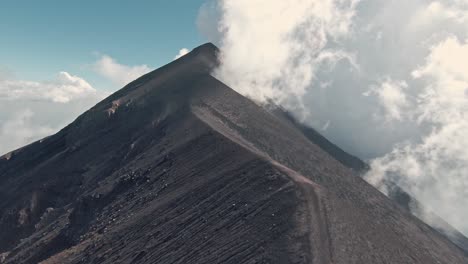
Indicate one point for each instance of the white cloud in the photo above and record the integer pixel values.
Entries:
(64, 88)
(437, 11)
(446, 76)
(392, 97)
(271, 49)
(19, 130)
(182, 52)
(434, 169)
(118, 73)
(447, 65)
(30, 110)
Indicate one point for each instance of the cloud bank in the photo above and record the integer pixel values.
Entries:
(385, 80)
(64, 88)
(31, 110)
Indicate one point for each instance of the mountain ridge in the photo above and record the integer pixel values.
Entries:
(178, 168)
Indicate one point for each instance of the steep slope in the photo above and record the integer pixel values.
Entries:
(316, 138)
(396, 193)
(178, 168)
(409, 203)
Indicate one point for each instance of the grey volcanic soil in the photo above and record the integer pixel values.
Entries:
(178, 168)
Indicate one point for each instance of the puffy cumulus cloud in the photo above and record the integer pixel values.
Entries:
(182, 52)
(433, 171)
(446, 69)
(118, 73)
(392, 98)
(64, 88)
(30, 110)
(385, 80)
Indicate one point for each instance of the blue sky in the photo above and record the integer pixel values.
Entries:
(41, 38)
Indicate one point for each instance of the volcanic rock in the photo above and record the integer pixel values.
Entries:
(179, 168)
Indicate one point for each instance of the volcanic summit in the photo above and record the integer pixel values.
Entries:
(176, 167)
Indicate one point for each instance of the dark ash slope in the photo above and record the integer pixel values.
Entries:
(178, 168)
(396, 193)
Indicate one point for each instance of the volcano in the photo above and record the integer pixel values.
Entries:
(176, 167)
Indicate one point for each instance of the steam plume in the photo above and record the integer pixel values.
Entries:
(384, 79)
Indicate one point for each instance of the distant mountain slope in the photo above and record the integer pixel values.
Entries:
(178, 168)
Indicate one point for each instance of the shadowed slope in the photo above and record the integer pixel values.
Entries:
(178, 168)
(315, 137)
